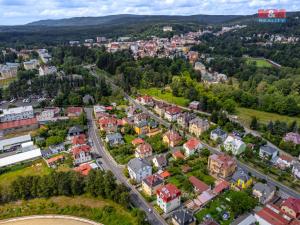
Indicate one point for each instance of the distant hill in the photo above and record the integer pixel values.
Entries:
(128, 18)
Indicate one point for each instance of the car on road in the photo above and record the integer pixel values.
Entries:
(12, 100)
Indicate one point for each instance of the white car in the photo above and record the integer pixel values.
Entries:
(12, 100)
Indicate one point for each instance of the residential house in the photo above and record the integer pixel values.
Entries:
(140, 117)
(9, 70)
(221, 165)
(284, 161)
(79, 140)
(160, 108)
(130, 111)
(73, 112)
(18, 113)
(52, 162)
(183, 217)
(221, 186)
(168, 197)
(108, 124)
(263, 192)
(142, 127)
(143, 150)
(234, 145)
(139, 169)
(114, 139)
(241, 179)
(57, 148)
(151, 184)
(271, 215)
(172, 138)
(245, 219)
(199, 186)
(74, 131)
(31, 64)
(194, 105)
(218, 134)
(291, 206)
(160, 161)
(145, 100)
(47, 70)
(172, 113)
(81, 154)
(296, 169)
(198, 126)
(84, 169)
(268, 152)
(192, 146)
(137, 141)
(293, 137)
(177, 155)
(184, 119)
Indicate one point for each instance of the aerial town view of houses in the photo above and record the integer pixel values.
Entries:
(152, 130)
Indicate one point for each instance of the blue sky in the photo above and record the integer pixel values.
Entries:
(23, 11)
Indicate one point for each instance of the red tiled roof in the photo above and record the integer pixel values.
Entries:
(272, 217)
(18, 123)
(79, 139)
(82, 148)
(173, 136)
(293, 204)
(178, 155)
(165, 174)
(224, 160)
(137, 141)
(198, 184)
(84, 169)
(168, 192)
(286, 158)
(192, 143)
(144, 148)
(74, 110)
(54, 159)
(153, 180)
(104, 121)
(172, 110)
(146, 98)
(221, 186)
(109, 108)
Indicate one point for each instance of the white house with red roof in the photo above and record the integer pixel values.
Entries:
(192, 146)
(81, 154)
(74, 111)
(79, 140)
(284, 161)
(168, 197)
(172, 113)
(145, 100)
(143, 150)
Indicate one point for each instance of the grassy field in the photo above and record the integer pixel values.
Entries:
(245, 116)
(39, 167)
(166, 96)
(99, 210)
(259, 62)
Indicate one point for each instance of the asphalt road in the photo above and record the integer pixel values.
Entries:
(135, 196)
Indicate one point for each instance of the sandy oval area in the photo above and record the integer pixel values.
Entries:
(48, 220)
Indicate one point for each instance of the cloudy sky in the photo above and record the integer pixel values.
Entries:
(23, 11)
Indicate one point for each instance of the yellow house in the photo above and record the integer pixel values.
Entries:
(241, 180)
(141, 128)
(151, 184)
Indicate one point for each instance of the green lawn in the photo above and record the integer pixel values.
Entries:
(259, 62)
(128, 138)
(166, 96)
(215, 209)
(100, 210)
(38, 167)
(246, 114)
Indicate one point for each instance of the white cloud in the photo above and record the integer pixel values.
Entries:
(20, 12)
